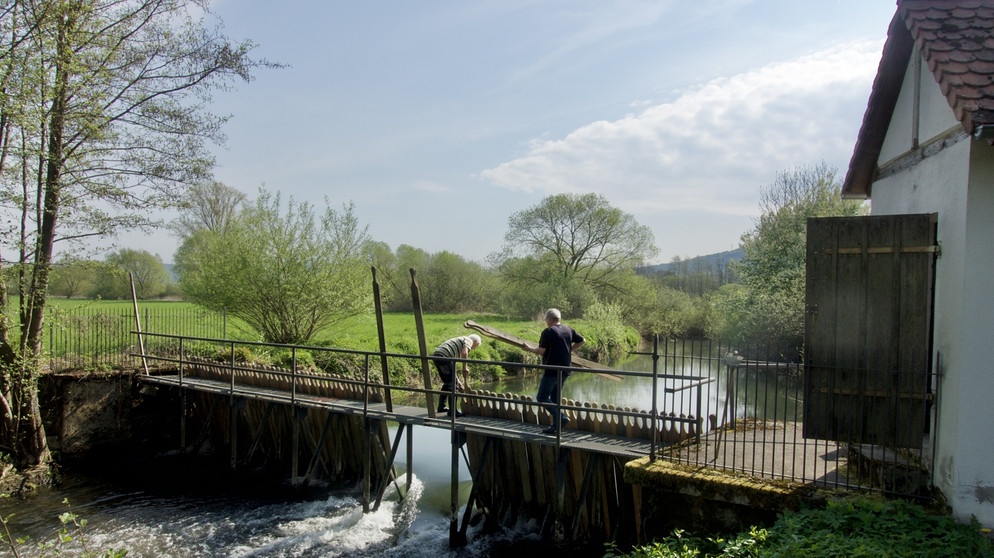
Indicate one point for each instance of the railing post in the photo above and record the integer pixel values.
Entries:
(231, 368)
(293, 375)
(655, 391)
(182, 400)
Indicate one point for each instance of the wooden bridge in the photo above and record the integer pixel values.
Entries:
(572, 480)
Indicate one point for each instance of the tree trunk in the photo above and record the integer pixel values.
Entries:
(31, 444)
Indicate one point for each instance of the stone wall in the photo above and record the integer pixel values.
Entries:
(90, 416)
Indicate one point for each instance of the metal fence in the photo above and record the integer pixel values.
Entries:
(92, 339)
(755, 415)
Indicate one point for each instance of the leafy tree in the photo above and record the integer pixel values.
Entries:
(72, 278)
(773, 264)
(396, 279)
(572, 248)
(453, 284)
(208, 205)
(697, 276)
(288, 274)
(379, 255)
(103, 120)
(146, 269)
(448, 282)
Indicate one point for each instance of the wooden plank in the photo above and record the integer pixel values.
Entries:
(494, 333)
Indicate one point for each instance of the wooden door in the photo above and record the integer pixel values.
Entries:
(868, 328)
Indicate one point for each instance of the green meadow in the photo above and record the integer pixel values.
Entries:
(87, 328)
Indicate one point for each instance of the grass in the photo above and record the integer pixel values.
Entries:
(396, 325)
(87, 334)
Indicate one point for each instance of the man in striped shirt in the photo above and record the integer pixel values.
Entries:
(457, 347)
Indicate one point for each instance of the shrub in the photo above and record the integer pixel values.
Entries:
(284, 358)
(607, 338)
(241, 355)
(855, 528)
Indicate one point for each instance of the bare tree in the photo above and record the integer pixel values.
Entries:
(208, 206)
(104, 120)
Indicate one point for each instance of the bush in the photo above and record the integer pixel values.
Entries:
(607, 338)
(284, 358)
(855, 528)
(241, 355)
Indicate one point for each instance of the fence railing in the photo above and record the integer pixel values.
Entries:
(101, 339)
(755, 412)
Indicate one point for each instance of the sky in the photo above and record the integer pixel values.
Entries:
(439, 120)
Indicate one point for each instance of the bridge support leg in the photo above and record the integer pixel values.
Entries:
(367, 464)
(299, 414)
(558, 529)
(389, 472)
(468, 515)
(182, 420)
(581, 502)
(456, 538)
(410, 456)
(316, 458)
(234, 404)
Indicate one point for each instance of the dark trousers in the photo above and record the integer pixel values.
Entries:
(446, 371)
(549, 390)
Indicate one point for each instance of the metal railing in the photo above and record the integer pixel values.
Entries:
(735, 408)
(755, 412)
(222, 359)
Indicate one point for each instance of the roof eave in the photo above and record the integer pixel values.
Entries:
(879, 110)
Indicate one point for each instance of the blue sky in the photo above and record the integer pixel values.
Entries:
(440, 119)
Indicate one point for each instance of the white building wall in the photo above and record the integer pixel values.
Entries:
(935, 118)
(972, 461)
(958, 185)
(897, 142)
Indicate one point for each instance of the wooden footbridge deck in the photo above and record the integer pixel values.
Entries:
(340, 426)
(503, 428)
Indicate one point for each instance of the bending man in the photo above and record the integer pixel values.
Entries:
(457, 347)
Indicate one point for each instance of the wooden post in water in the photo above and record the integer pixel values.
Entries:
(367, 448)
(455, 540)
(138, 323)
(383, 343)
(423, 345)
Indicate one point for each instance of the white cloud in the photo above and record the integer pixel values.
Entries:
(711, 148)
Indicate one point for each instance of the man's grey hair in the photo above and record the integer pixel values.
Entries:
(553, 314)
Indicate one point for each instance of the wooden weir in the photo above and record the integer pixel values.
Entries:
(338, 427)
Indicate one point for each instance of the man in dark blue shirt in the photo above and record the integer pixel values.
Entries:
(556, 346)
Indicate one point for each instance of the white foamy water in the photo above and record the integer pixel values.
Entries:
(332, 526)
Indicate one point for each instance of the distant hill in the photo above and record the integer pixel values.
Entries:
(714, 260)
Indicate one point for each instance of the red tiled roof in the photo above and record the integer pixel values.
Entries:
(956, 40)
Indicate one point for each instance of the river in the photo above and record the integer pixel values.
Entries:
(171, 512)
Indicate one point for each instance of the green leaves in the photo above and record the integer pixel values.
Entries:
(574, 248)
(851, 528)
(287, 272)
(773, 266)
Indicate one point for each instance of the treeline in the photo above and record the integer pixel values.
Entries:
(111, 279)
(267, 263)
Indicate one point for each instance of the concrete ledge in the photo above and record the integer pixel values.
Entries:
(701, 499)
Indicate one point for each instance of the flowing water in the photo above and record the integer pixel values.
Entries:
(173, 512)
